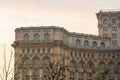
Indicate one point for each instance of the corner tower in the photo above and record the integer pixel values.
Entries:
(109, 25)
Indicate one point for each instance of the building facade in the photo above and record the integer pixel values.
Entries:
(86, 56)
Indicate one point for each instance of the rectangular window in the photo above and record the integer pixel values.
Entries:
(105, 35)
(105, 28)
(80, 74)
(114, 42)
(114, 28)
(114, 35)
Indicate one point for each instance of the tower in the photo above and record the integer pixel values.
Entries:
(109, 26)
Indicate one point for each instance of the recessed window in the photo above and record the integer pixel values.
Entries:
(114, 28)
(114, 42)
(26, 61)
(26, 77)
(105, 28)
(38, 50)
(47, 37)
(105, 35)
(114, 21)
(94, 44)
(80, 64)
(90, 65)
(86, 43)
(36, 37)
(73, 64)
(111, 66)
(77, 42)
(36, 60)
(35, 77)
(102, 66)
(114, 35)
(102, 44)
(105, 21)
(49, 50)
(33, 50)
(46, 60)
(23, 50)
(26, 37)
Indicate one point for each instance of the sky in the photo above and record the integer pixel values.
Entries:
(74, 15)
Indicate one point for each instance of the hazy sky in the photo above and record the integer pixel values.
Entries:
(73, 15)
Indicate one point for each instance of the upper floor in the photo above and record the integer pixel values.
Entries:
(53, 33)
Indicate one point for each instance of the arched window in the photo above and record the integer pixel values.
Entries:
(90, 65)
(36, 37)
(35, 77)
(26, 61)
(119, 65)
(94, 44)
(114, 20)
(111, 66)
(36, 60)
(47, 37)
(102, 44)
(86, 43)
(101, 66)
(26, 77)
(45, 77)
(77, 42)
(72, 64)
(105, 21)
(46, 60)
(26, 37)
(80, 64)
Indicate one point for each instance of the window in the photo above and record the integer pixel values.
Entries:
(72, 74)
(36, 37)
(102, 44)
(36, 60)
(105, 28)
(77, 42)
(105, 21)
(114, 35)
(25, 77)
(80, 74)
(101, 66)
(90, 65)
(45, 77)
(33, 50)
(119, 65)
(114, 42)
(23, 50)
(46, 60)
(94, 44)
(114, 21)
(47, 37)
(38, 50)
(89, 74)
(80, 65)
(73, 64)
(28, 50)
(114, 28)
(35, 77)
(26, 37)
(105, 35)
(26, 61)
(43, 50)
(111, 66)
(49, 50)
(86, 43)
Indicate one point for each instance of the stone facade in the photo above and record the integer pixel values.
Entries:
(86, 57)
(109, 26)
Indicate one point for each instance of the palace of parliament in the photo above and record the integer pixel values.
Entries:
(85, 56)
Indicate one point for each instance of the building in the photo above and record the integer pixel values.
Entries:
(109, 26)
(86, 56)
